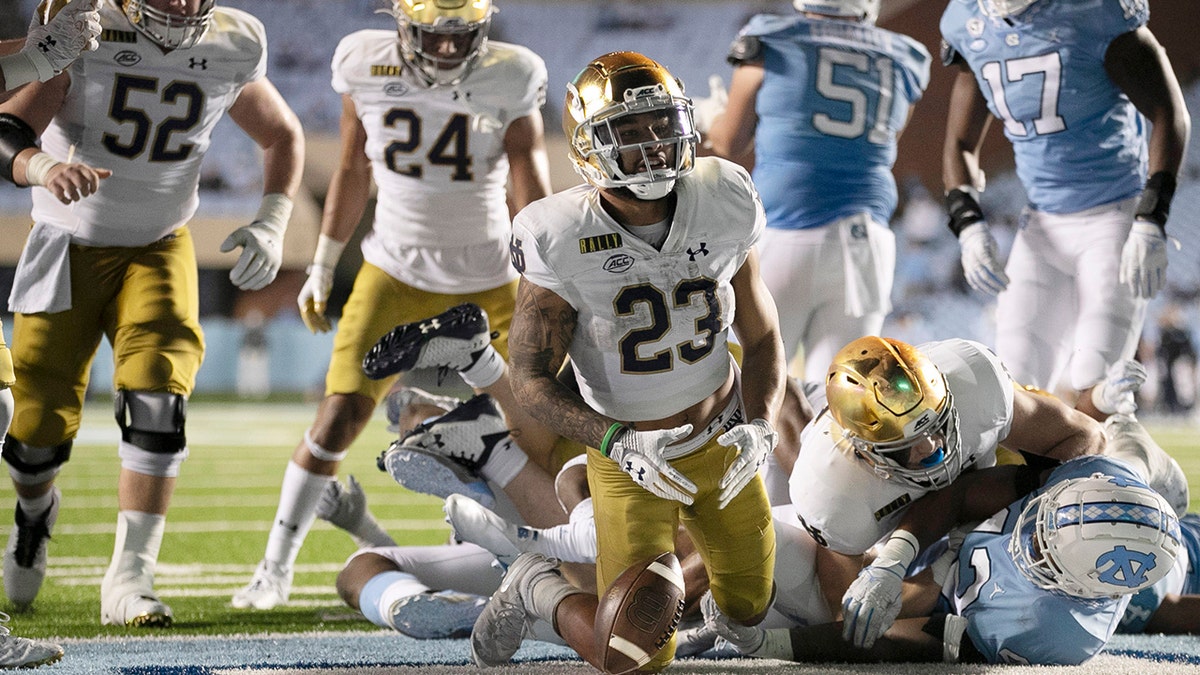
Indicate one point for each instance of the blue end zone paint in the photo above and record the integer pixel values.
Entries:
(1169, 657)
(384, 650)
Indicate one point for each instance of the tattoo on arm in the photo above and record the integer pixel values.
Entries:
(539, 338)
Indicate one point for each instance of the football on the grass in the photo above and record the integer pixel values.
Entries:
(639, 613)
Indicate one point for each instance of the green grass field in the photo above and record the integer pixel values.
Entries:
(221, 513)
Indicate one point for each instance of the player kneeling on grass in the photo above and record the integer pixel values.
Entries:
(675, 431)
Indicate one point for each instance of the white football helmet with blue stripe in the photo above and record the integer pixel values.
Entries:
(1096, 537)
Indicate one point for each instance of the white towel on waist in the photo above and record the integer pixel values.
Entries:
(43, 277)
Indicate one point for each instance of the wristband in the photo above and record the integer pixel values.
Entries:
(901, 548)
(610, 437)
(37, 169)
(275, 210)
(18, 70)
(962, 204)
(329, 251)
(1155, 203)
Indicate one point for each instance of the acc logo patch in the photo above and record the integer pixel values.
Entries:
(395, 89)
(618, 263)
(127, 58)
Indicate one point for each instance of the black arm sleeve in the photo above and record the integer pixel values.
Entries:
(15, 135)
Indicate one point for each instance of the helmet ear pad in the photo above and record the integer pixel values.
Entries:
(625, 106)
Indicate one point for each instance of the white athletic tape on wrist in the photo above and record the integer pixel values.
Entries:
(38, 168)
(276, 209)
(329, 251)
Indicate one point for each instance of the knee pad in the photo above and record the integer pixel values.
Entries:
(152, 437)
(33, 465)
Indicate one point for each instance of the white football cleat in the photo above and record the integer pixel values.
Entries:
(19, 652)
(507, 619)
(467, 434)
(268, 589)
(133, 604)
(433, 474)
(452, 340)
(437, 615)
(25, 554)
(474, 523)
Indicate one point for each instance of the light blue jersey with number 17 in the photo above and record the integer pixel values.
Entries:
(1078, 140)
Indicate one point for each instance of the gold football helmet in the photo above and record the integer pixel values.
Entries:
(442, 39)
(629, 125)
(886, 398)
(168, 30)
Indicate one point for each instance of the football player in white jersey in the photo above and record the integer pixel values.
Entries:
(1098, 126)
(59, 31)
(441, 118)
(120, 263)
(638, 275)
(903, 421)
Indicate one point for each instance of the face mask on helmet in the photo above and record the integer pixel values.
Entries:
(1003, 9)
(630, 126)
(169, 31)
(1096, 537)
(442, 39)
(891, 408)
(864, 10)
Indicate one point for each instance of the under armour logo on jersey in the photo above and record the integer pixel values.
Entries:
(195, 63)
(1123, 567)
(703, 250)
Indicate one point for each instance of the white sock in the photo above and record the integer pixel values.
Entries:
(573, 542)
(396, 591)
(486, 370)
(135, 552)
(33, 508)
(298, 498)
(505, 462)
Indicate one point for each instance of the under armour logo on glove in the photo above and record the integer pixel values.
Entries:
(47, 44)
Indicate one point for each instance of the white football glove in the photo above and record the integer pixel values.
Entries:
(261, 242)
(1115, 394)
(754, 442)
(984, 273)
(639, 454)
(709, 108)
(262, 254)
(73, 29)
(313, 297)
(1144, 259)
(872, 603)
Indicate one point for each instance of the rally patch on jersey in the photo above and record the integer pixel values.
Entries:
(387, 70)
(601, 242)
(127, 37)
(896, 504)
